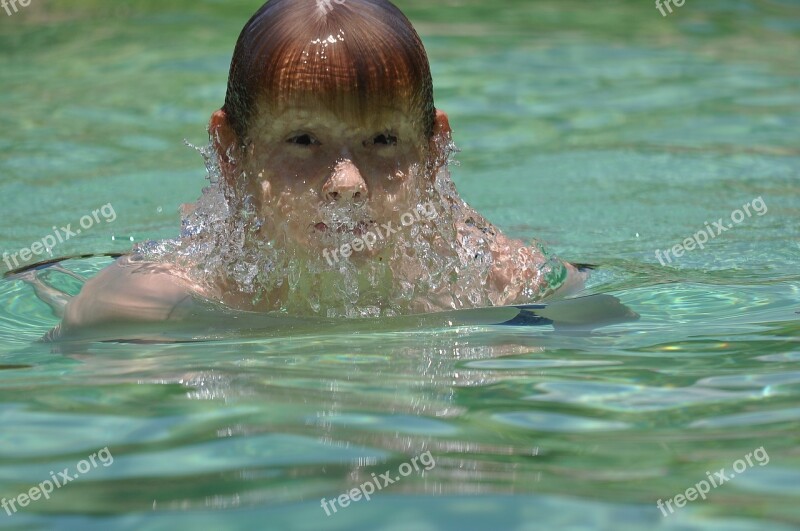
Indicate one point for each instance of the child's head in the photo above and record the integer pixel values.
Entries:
(356, 58)
(330, 193)
(328, 103)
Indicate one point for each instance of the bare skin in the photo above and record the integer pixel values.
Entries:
(294, 155)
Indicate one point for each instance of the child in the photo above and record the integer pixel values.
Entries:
(329, 191)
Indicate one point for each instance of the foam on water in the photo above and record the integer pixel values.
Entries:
(270, 258)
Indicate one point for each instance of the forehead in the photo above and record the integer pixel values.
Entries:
(311, 116)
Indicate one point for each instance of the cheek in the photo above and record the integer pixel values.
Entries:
(289, 173)
(397, 177)
(387, 172)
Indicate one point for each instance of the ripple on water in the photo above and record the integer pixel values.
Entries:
(558, 422)
(412, 425)
(535, 363)
(633, 398)
(763, 416)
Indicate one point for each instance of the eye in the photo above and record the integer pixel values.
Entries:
(383, 139)
(303, 139)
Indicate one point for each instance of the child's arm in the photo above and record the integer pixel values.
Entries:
(516, 270)
(575, 281)
(126, 292)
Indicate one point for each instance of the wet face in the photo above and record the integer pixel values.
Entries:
(320, 177)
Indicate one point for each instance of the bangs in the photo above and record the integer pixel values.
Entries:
(359, 59)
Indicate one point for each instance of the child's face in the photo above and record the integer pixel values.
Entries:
(300, 162)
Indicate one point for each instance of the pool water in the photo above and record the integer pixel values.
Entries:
(605, 129)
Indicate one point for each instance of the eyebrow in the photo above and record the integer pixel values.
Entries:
(394, 126)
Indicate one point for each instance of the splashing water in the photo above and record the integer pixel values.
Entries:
(438, 254)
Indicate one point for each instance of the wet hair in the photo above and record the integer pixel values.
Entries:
(355, 57)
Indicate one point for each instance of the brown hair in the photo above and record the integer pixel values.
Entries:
(355, 57)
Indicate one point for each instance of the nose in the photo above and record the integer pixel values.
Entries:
(345, 183)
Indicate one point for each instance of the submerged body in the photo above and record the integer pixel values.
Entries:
(330, 194)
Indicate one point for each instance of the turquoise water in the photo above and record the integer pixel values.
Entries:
(604, 129)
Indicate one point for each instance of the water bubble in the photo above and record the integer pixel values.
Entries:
(441, 255)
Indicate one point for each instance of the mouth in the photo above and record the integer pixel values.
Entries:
(360, 228)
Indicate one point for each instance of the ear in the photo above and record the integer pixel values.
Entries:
(441, 124)
(440, 138)
(224, 140)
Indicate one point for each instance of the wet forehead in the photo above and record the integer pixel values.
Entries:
(292, 118)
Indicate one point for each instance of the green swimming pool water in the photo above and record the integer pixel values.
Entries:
(603, 128)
